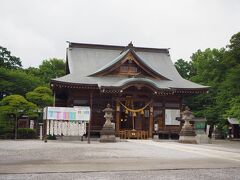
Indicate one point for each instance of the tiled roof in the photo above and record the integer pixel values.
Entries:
(84, 61)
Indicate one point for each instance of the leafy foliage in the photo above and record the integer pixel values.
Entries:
(234, 110)
(51, 69)
(16, 82)
(27, 133)
(219, 69)
(51, 137)
(17, 105)
(20, 82)
(6, 127)
(7, 60)
(234, 48)
(41, 96)
(184, 68)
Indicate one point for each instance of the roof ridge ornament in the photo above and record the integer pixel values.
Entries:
(128, 47)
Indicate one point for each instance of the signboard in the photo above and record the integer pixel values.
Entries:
(170, 116)
(31, 124)
(79, 113)
(199, 125)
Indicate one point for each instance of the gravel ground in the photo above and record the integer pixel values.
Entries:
(135, 159)
(198, 174)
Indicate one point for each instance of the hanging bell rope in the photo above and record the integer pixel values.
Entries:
(135, 110)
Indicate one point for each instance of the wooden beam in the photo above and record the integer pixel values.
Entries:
(151, 121)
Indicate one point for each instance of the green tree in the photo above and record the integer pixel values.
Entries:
(50, 69)
(16, 105)
(209, 70)
(219, 69)
(41, 96)
(33, 71)
(209, 66)
(184, 68)
(16, 82)
(9, 61)
(234, 110)
(234, 48)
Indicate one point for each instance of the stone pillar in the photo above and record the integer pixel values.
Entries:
(107, 133)
(41, 131)
(187, 134)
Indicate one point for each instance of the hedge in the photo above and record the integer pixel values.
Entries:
(27, 133)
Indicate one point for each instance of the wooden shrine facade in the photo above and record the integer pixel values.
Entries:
(140, 84)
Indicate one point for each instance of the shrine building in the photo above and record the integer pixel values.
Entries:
(141, 85)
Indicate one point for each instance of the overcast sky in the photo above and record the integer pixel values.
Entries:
(38, 29)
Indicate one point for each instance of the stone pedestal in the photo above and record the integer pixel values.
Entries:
(187, 134)
(203, 139)
(155, 137)
(201, 135)
(107, 133)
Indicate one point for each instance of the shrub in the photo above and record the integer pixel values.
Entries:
(27, 133)
(51, 137)
(6, 127)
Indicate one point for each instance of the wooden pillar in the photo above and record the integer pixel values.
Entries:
(151, 121)
(89, 124)
(117, 126)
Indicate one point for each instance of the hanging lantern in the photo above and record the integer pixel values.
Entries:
(134, 114)
(126, 111)
(142, 112)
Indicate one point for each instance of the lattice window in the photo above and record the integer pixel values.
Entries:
(128, 69)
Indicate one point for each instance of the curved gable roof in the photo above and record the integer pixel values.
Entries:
(86, 60)
(114, 64)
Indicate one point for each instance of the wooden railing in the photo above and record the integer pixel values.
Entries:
(133, 134)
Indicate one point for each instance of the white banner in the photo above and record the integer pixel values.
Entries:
(66, 128)
(80, 113)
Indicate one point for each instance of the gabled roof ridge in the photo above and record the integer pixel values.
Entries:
(116, 47)
(129, 48)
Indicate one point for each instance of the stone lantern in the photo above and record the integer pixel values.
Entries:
(107, 133)
(187, 133)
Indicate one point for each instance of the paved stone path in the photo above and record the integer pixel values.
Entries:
(138, 159)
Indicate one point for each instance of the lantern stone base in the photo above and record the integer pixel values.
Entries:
(203, 139)
(187, 139)
(187, 135)
(107, 134)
